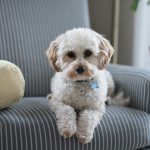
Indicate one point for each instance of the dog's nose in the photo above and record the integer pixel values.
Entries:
(80, 70)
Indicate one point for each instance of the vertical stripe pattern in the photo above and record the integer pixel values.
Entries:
(30, 125)
(26, 29)
(135, 82)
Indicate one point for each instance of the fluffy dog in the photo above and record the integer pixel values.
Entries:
(80, 84)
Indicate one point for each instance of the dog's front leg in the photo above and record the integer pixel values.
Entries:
(66, 118)
(88, 120)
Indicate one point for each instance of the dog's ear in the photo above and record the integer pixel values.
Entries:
(105, 52)
(52, 55)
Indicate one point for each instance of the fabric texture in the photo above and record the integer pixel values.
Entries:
(135, 83)
(30, 125)
(26, 29)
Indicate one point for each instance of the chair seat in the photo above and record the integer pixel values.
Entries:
(30, 125)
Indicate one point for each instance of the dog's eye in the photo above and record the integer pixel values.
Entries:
(87, 53)
(71, 55)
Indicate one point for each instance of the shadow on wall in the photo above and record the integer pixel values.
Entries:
(101, 17)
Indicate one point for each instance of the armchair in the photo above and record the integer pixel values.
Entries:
(26, 28)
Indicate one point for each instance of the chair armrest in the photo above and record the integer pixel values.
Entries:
(135, 82)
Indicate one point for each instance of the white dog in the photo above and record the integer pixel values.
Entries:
(81, 83)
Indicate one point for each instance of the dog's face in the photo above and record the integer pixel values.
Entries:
(79, 53)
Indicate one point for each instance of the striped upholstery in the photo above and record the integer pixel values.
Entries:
(30, 125)
(135, 83)
(26, 29)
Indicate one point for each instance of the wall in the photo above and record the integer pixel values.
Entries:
(101, 16)
(134, 29)
(126, 25)
(134, 35)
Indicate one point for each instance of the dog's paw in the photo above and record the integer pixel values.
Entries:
(84, 138)
(67, 131)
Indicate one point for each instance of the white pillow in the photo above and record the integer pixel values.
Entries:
(12, 84)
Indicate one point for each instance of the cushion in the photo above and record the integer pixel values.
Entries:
(30, 124)
(12, 84)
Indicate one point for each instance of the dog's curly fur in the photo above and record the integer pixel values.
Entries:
(73, 90)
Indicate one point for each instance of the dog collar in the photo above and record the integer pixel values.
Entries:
(91, 83)
(80, 81)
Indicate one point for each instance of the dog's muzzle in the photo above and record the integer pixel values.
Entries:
(80, 70)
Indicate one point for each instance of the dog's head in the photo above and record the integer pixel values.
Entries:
(79, 53)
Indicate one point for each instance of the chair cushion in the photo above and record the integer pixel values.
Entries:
(30, 125)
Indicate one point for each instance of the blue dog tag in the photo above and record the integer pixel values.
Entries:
(94, 85)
